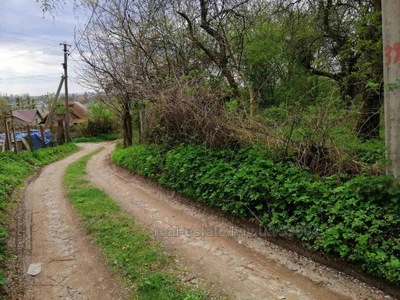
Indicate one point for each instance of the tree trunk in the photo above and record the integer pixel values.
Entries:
(221, 57)
(231, 80)
(127, 125)
(141, 125)
(369, 120)
(348, 90)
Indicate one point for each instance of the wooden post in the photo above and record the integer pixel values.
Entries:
(8, 134)
(141, 130)
(15, 136)
(26, 144)
(29, 139)
(43, 136)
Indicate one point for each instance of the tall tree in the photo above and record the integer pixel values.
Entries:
(129, 48)
(218, 29)
(105, 66)
(346, 47)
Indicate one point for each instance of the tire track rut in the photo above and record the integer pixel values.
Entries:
(72, 267)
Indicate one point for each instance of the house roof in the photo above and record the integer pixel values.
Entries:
(78, 113)
(26, 115)
(78, 110)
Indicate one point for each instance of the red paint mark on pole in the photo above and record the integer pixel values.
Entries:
(389, 51)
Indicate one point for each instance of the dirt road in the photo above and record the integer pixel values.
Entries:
(216, 251)
(71, 267)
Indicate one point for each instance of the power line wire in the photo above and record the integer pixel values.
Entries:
(48, 79)
(22, 14)
(78, 61)
(29, 52)
(31, 36)
(19, 39)
(31, 76)
(25, 74)
(18, 73)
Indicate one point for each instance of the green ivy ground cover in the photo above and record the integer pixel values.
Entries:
(14, 169)
(356, 219)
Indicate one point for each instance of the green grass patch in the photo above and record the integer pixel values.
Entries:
(97, 139)
(127, 247)
(356, 219)
(14, 169)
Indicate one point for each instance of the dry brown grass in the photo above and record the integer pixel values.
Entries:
(190, 111)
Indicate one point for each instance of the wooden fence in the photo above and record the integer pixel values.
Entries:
(11, 142)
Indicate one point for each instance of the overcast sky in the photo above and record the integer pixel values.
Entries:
(30, 54)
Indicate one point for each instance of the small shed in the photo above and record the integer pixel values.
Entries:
(25, 117)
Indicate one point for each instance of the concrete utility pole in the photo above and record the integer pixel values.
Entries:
(391, 44)
(65, 65)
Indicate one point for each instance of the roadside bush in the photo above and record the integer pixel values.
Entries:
(104, 137)
(145, 160)
(100, 122)
(13, 171)
(356, 219)
(371, 152)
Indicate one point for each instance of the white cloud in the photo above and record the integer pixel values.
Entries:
(30, 54)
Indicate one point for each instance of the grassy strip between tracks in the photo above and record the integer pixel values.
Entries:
(127, 247)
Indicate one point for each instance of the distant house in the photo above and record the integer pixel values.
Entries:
(78, 112)
(25, 117)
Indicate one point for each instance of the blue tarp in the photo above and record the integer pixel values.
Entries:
(36, 138)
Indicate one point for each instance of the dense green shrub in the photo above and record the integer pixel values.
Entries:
(141, 159)
(356, 219)
(13, 171)
(104, 137)
(100, 120)
(371, 152)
